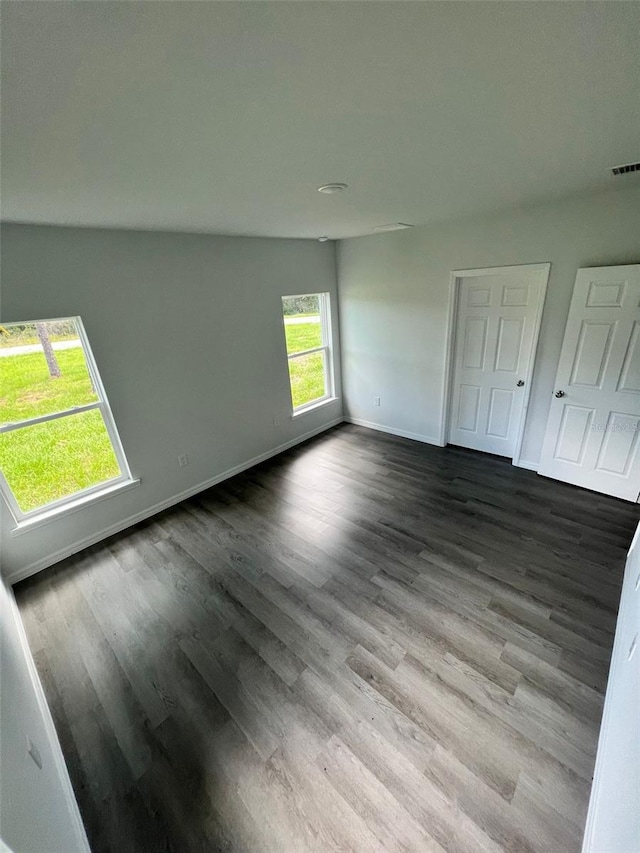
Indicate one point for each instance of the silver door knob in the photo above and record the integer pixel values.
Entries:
(559, 393)
(520, 383)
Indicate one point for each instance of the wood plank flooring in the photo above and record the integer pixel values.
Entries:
(366, 644)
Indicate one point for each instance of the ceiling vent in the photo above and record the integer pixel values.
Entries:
(625, 170)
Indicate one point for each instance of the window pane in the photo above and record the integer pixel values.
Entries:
(307, 375)
(302, 325)
(42, 370)
(55, 459)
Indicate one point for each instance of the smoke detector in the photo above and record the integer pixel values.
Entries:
(330, 189)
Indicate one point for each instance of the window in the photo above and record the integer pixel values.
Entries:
(307, 328)
(58, 441)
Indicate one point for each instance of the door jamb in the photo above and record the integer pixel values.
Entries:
(450, 343)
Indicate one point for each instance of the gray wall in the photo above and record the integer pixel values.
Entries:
(37, 808)
(394, 292)
(188, 337)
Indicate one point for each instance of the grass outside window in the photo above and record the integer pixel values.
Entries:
(49, 451)
(307, 335)
(55, 459)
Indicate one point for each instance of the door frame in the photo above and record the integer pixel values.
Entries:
(450, 344)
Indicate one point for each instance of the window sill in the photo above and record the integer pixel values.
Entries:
(47, 516)
(313, 406)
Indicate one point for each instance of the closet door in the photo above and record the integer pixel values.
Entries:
(494, 333)
(593, 430)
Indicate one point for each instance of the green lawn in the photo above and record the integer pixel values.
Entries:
(51, 460)
(306, 373)
(45, 395)
(301, 336)
(307, 378)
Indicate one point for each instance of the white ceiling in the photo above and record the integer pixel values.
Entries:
(225, 117)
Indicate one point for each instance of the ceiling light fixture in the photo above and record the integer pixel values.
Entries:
(329, 189)
(322, 239)
(393, 226)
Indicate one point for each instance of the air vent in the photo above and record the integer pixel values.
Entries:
(625, 170)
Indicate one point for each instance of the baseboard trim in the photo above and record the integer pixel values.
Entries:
(530, 466)
(402, 433)
(93, 538)
(47, 719)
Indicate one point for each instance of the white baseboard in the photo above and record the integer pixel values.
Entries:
(522, 463)
(50, 729)
(530, 466)
(425, 439)
(98, 536)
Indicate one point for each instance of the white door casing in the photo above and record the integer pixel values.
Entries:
(612, 820)
(495, 330)
(593, 431)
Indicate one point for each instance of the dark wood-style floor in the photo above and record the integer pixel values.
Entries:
(366, 644)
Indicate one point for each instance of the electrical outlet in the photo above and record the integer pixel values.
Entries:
(34, 752)
(183, 459)
(276, 422)
(376, 401)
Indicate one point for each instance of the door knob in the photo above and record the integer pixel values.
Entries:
(559, 393)
(520, 383)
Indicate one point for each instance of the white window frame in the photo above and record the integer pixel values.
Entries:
(324, 305)
(54, 508)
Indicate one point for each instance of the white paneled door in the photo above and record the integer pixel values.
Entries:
(495, 334)
(593, 431)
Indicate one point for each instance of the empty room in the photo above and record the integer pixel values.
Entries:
(319, 426)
